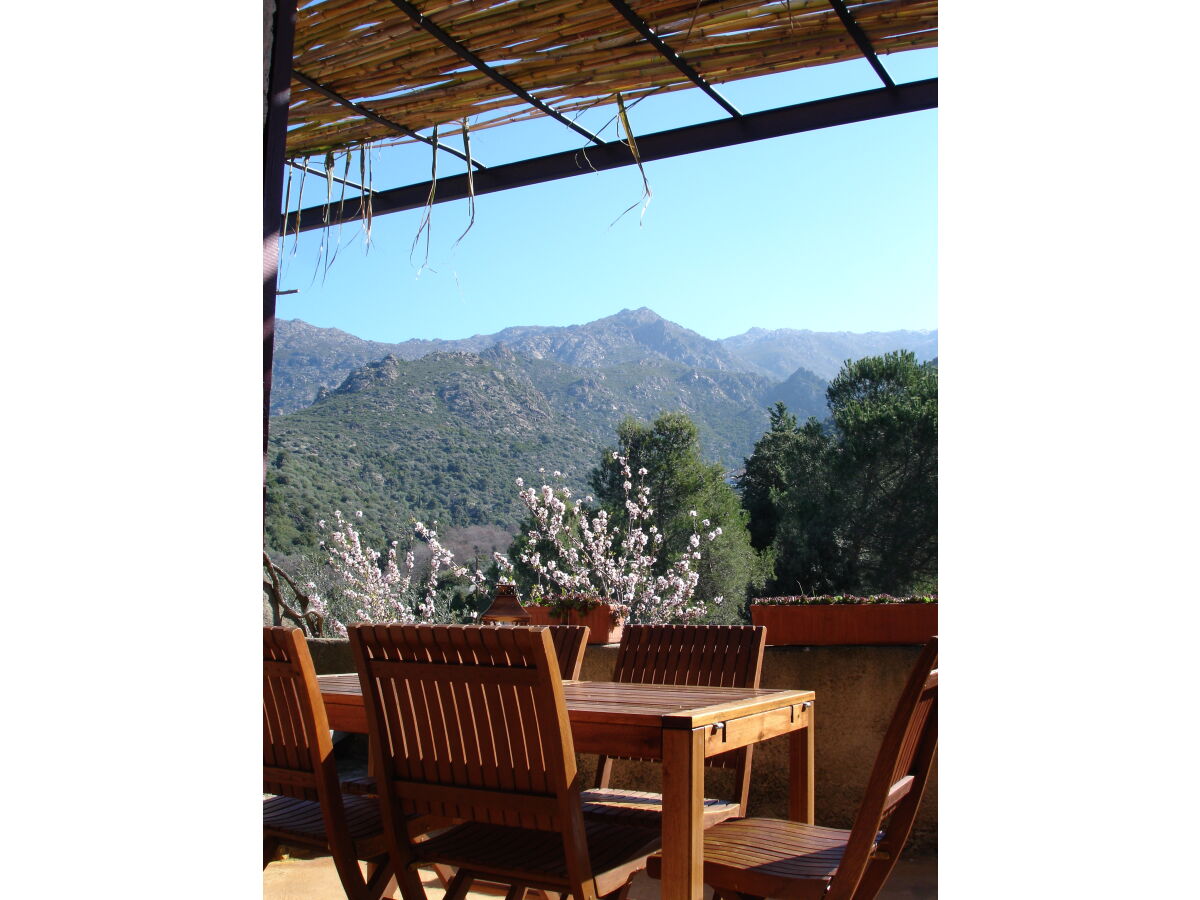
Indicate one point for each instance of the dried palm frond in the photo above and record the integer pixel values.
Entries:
(631, 142)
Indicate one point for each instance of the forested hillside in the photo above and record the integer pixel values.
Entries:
(444, 437)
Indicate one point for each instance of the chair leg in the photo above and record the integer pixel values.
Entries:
(380, 875)
(460, 884)
(445, 874)
(351, 877)
(410, 884)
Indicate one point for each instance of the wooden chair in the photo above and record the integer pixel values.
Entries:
(469, 723)
(569, 643)
(775, 858)
(306, 808)
(710, 655)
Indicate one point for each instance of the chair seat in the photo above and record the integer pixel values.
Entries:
(768, 857)
(644, 809)
(300, 822)
(535, 858)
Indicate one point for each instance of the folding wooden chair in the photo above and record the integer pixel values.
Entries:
(710, 655)
(469, 723)
(776, 858)
(306, 808)
(569, 643)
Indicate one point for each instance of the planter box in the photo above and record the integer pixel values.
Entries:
(599, 619)
(821, 625)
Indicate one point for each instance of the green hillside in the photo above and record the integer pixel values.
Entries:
(445, 436)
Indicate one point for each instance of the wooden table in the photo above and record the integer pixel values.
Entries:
(680, 726)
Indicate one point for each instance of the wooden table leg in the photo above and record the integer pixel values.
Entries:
(682, 831)
(802, 771)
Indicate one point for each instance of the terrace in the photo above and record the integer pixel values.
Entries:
(343, 74)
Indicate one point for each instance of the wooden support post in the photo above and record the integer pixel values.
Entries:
(277, 94)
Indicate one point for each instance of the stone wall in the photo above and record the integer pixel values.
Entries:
(856, 687)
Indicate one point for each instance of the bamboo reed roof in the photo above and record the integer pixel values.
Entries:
(383, 70)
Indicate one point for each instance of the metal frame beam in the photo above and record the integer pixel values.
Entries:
(859, 107)
(279, 92)
(670, 55)
(375, 117)
(320, 174)
(430, 26)
(860, 38)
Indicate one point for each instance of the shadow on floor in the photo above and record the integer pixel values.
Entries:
(315, 879)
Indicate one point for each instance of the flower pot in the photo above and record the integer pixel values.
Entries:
(599, 619)
(865, 623)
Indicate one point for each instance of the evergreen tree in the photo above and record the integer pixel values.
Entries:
(853, 504)
(766, 472)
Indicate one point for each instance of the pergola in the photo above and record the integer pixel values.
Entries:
(343, 74)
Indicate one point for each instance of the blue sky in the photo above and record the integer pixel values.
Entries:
(833, 230)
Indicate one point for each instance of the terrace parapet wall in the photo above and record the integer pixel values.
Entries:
(857, 688)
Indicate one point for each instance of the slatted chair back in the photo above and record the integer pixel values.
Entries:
(470, 723)
(707, 655)
(298, 759)
(297, 750)
(895, 788)
(570, 641)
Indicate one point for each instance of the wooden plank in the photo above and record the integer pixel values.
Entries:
(748, 730)
(617, 739)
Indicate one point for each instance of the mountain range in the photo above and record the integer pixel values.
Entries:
(309, 359)
(440, 430)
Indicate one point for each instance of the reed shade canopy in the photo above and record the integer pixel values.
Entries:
(368, 71)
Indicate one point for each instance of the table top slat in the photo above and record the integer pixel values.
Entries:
(671, 706)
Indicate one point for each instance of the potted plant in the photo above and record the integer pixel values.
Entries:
(846, 619)
(606, 621)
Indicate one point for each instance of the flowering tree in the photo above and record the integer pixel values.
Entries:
(390, 592)
(574, 549)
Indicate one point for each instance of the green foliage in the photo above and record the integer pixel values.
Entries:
(766, 472)
(846, 600)
(681, 482)
(444, 437)
(854, 502)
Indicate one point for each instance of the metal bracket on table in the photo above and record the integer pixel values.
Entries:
(720, 726)
(804, 707)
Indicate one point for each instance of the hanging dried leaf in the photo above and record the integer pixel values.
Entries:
(631, 142)
(427, 218)
(466, 136)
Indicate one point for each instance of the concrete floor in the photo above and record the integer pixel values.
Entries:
(316, 879)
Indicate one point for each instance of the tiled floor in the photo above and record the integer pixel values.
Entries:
(315, 879)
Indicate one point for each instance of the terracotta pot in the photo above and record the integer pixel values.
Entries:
(506, 608)
(867, 623)
(599, 619)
